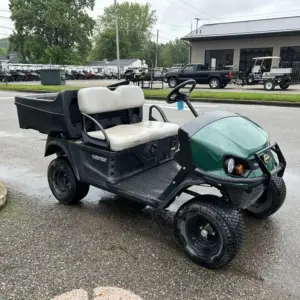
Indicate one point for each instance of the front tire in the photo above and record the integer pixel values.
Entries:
(172, 82)
(269, 204)
(269, 85)
(63, 183)
(210, 231)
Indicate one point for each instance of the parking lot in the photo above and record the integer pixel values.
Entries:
(293, 89)
(47, 249)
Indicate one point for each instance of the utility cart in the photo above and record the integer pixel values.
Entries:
(267, 71)
(101, 138)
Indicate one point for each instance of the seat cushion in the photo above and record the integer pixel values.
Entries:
(127, 136)
(94, 100)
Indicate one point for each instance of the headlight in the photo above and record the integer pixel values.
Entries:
(236, 166)
(230, 165)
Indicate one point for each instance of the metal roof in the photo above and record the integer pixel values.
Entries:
(246, 28)
(123, 62)
(98, 63)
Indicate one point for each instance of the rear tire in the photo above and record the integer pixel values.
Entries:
(210, 231)
(250, 79)
(284, 86)
(214, 83)
(63, 183)
(266, 206)
(269, 85)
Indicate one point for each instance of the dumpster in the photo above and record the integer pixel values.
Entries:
(53, 77)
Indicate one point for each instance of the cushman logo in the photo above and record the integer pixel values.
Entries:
(97, 157)
(266, 158)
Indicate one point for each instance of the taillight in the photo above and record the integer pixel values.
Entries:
(230, 75)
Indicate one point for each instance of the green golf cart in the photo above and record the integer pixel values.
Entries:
(100, 138)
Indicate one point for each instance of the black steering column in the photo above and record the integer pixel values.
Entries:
(176, 95)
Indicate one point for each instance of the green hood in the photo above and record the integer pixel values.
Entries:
(236, 136)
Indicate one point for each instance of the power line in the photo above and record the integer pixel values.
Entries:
(166, 34)
(6, 27)
(268, 14)
(173, 25)
(3, 10)
(203, 12)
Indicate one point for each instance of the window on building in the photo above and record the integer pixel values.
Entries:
(247, 55)
(223, 58)
(289, 55)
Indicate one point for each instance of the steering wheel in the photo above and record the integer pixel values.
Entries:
(175, 93)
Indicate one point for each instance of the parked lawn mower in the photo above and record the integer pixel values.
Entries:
(100, 75)
(100, 139)
(18, 75)
(31, 75)
(6, 76)
(69, 75)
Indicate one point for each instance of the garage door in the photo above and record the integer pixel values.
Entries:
(247, 55)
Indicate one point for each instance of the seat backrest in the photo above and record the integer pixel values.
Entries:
(95, 100)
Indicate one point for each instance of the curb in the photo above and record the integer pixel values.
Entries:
(3, 195)
(200, 100)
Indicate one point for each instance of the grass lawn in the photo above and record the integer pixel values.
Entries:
(266, 96)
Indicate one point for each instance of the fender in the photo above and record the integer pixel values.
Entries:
(218, 76)
(183, 180)
(60, 147)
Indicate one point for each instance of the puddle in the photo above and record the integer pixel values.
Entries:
(24, 179)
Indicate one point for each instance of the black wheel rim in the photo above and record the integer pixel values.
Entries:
(60, 181)
(204, 237)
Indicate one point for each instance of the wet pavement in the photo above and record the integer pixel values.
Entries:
(47, 249)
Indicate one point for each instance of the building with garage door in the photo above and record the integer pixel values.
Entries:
(237, 43)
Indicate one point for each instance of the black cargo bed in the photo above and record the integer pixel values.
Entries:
(51, 113)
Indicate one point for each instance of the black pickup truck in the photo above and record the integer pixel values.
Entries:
(198, 72)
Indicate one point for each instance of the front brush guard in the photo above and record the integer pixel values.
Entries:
(279, 171)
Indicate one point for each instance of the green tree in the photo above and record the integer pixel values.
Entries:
(174, 52)
(3, 51)
(56, 31)
(135, 25)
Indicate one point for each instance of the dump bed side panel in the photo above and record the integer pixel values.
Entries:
(50, 114)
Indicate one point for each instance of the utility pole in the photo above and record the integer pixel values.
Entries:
(156, 56)
(197, 19)
(191, 27)
(117, 39)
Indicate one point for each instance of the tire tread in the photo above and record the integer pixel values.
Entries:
(228, 216)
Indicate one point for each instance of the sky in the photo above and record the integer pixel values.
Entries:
(175, 17)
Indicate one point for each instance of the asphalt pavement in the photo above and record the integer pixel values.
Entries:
(47, 249)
